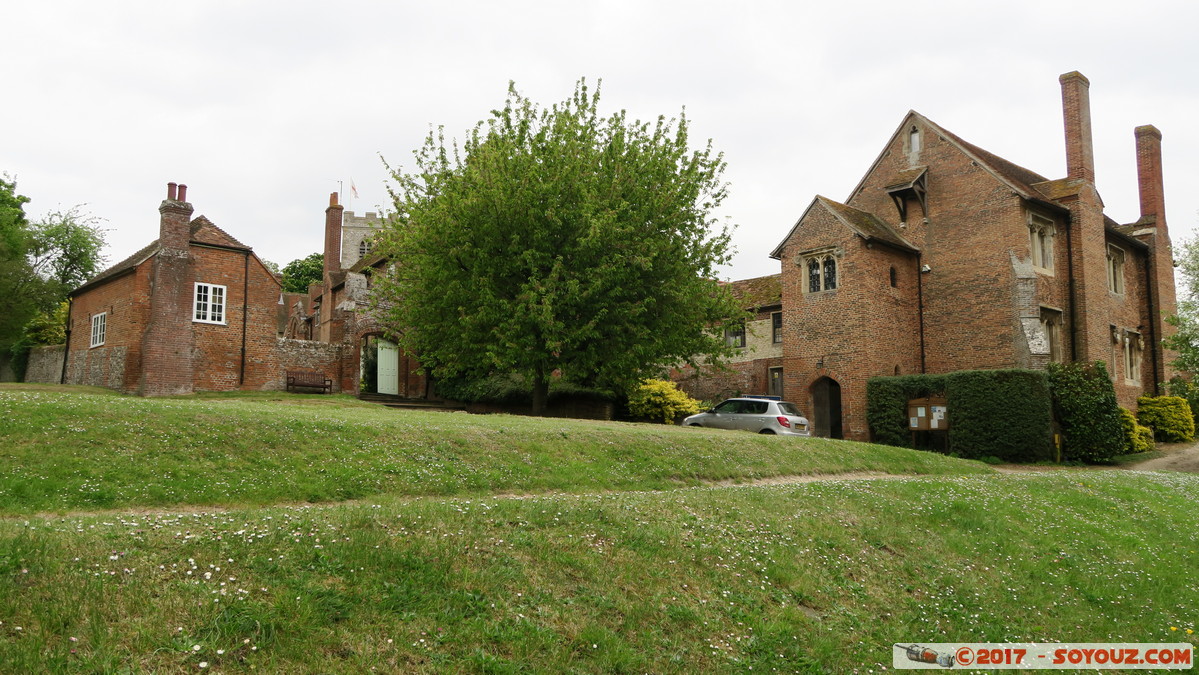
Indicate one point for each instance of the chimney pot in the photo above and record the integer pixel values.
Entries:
(172, 191)
(182, 193)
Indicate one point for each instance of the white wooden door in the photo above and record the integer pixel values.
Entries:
(389, 368)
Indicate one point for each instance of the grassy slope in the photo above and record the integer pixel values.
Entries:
(69, 451)
(818, 577)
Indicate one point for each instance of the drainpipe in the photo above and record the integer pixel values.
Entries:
(1152, 327)
(245, 290)
(66, 348)
(1073, 290)
(920, 305)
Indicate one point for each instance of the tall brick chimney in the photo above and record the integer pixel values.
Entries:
(332, 236)
(1149, 175)
(174, 229)
(168, 343)
(1076, 107)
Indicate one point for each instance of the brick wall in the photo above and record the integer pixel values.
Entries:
(116, 364)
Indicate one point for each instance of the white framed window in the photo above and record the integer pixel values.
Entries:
(210, 303)
(99, 328)
(1132, 357)
(822, 272)
(1115, 269)
(1041, 231)
(734, 335)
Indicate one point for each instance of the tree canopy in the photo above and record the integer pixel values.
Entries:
(299, 273)
(40, 262)
(1186, 341)
(559, 241)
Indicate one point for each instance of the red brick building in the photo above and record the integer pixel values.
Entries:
(195, 310)
(946, 257)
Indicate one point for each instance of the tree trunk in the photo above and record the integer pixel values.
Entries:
(541, 390)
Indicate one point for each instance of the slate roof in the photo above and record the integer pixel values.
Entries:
(203, 231)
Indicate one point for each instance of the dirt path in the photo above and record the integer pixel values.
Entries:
(1179, 457)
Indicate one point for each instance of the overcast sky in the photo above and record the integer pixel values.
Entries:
(262, 108)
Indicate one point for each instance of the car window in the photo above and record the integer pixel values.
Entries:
(755, 407)
(729, 407)
(789, 409)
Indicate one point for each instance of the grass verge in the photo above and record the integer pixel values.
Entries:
(819, 577)
(67, 451)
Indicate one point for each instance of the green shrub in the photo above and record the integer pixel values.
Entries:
(661, 400)
(1001, 413)
(514, 389)
(887, 405)
(1137, 438)
(1084, 403)
(1169, 416)
(1177, 386)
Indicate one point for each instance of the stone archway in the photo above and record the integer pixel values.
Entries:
(826, 408)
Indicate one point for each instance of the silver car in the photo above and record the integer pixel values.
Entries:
(761, 415)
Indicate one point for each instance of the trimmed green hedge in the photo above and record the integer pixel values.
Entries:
(992, 413)
(887, 405)
(1169, 416)
(1000, 413)
(1084, 403)
(1137, 438)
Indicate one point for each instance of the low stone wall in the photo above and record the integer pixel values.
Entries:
(306, 355)
(45, 364)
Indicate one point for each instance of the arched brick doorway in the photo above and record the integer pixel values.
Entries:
(826, 408)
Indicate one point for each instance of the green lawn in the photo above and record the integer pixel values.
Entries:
(72, 451)
(814, 577)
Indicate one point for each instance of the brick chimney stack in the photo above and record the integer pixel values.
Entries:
(1076, 107)
(332, 236)
(174, 229)
(1149, 175)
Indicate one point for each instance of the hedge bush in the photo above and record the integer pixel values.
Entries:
(1177, 386)
(661, 400)
(1137, 438)
(887, 405)
(1169, 416)
(992, 413)
(1000, 413)
(514, 389)
(1084, 403)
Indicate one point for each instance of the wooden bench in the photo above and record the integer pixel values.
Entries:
(309, 379)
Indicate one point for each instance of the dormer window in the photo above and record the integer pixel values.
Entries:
(1041, 231)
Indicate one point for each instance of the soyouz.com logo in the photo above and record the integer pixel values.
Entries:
(1030, 656)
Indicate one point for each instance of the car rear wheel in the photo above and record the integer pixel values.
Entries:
(768, 432)
(694, 425)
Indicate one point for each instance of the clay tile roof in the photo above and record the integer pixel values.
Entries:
(866, 224)
(203, 231)
(1018, 176)
(759, 291)
(906, 178)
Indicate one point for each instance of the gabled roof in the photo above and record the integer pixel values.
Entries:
(865, 225)
(203, 232)
(758, 292)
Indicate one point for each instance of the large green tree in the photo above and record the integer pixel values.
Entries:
(40, 262)
(1186, 319)
(301, 272)
(559, 241)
